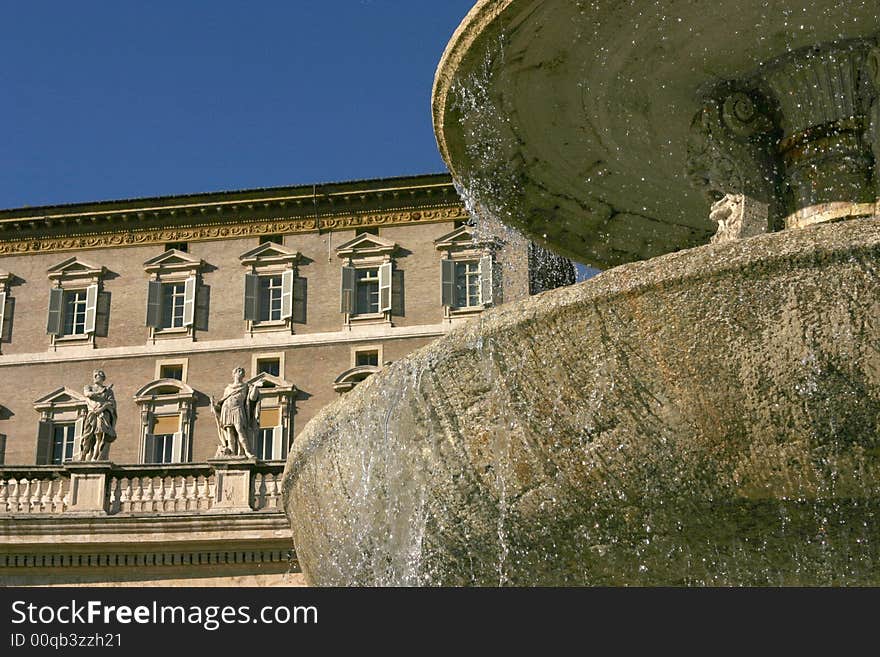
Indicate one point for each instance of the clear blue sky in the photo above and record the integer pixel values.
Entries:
(112, 100)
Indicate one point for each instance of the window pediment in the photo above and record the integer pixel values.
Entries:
(270, 254)
(61, 399)
(164, 390)
(273, 385)
(366, 245)
(74, 269)
(173, 261)
(464, 239)
(351, 377)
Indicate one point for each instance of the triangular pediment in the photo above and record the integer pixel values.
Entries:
(366, 244)
(173, 260)
(272, 383)
(74, 268)
(461, 238)
(269, 252)
(63, 396)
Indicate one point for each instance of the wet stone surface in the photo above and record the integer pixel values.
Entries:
(707, 417)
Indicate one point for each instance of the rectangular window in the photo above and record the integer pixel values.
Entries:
(75, 312)
(367, 293)
(270, 298)
(180, 246)
(269, 366)
(171, 372)
(366, 358)
(265, 443)
(173, 298)
(62, 442)
(467, 284)
(162, 448)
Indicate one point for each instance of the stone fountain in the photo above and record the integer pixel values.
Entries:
(707, 411)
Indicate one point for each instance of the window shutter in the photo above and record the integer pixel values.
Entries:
(91, 307)
(3, 332)
(287, 294)
(347, 290)
(56, 302)
(203, 306)
(177, 448)
(397, 293)
(189, 301)
(300, 294)
(154, 304)
(44, 443)
(276, 444)
(447, 269)
(385, 287)
(251, 296)
(149, 448)
(486, 280)
(77, 436)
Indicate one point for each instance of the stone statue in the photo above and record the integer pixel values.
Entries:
(99, 426)
(237, 416)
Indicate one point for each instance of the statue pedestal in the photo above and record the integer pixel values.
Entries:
(88, 486)
(233, 483)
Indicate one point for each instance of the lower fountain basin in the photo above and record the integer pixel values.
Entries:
(711, 416)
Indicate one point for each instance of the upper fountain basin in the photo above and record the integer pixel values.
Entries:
(571, 119)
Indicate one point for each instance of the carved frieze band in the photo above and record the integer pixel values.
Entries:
(230, 230)
(148, 559)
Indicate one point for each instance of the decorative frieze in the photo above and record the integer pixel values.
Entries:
(228, 229)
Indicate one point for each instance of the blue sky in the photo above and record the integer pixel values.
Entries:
(112, 100)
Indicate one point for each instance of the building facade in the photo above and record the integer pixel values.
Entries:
(308, 289)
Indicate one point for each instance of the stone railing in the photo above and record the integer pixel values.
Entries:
(107, 489)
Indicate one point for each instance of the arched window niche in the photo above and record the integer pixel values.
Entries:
(166, 410)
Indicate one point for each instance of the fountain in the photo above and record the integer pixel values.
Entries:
(707, 411)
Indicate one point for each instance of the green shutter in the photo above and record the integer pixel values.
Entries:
(347, 299)
(385, 287)
(486, 287)
(398, 305)
(287, 294)
(44, 443)
(189, 301)
(56, 303)
(447, 270)
(154, 304)
(300, 296)
(251, 296)
(91, 307)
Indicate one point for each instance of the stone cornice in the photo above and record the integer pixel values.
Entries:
(122, 233)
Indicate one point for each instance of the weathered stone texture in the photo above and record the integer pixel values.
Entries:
(710, 416)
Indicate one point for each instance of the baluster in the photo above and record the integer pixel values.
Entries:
(13, 496)
(212, 489)
(192, 493)
(203, 502)
(46, 498)
(255, 490)
(24, 495)
(113, 502)
(276, 490)
(36, 496)
(148, 495)
(58, 496)
(160, 494)
(172, 494)
(125, 494)
(4, 495)
(137, 498)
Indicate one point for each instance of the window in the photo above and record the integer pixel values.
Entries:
(270, 301)
(172, 372)
(272, 239)
(467, 284)
(269, 366)
(172, 368)
(367, 295)
(366, 358)
(372, 290)
(275, 410)
(160, 449)
(177, 301)
(274, 295)
(60, 427)
(62, 442)
(265, 444)
(468, 281)
(173, 302)
(73, 302)
(166, 411)
(183, 247)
